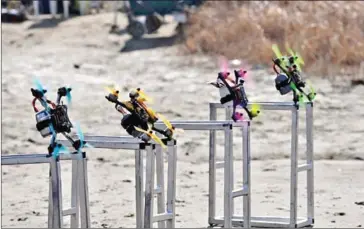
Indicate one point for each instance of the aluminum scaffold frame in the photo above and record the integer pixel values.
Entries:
(79, 211)
(227, 127)
(268, 221)
(154, 156)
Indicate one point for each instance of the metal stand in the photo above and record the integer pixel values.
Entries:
(226, 126)
(154, 156)
(79, 202)
(227, 164)
(266, 221)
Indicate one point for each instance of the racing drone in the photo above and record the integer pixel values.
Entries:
(233, 94)
(138, 119)
(53, 119)
(289, 77)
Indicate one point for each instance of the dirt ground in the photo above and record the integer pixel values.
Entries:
(80, 52)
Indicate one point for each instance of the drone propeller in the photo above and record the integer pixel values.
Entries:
(169, 125)
(224, 66)
(113, 90)
(58, 149)
(143, 96)
(152, 135)
(298, 59)
(312, 93)
(81, 138)
(69, 96)
(39, 86)
(279, 55)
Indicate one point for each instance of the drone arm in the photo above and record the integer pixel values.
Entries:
(226, 84)
(68, 137)
(120, 109)
(59, 97)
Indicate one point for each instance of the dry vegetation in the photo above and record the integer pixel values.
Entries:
(324, 33)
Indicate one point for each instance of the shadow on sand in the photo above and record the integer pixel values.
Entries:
(149, 43)
(47, 23)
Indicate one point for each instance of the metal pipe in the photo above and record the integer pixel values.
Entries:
(139, 187)
(212, 168)
(22, 159)
(56, 193)
(227, 180)
(117, 144)
(172, 177)
(265, 105)
(310, 161)
(160, 184)
(149, 188)
(294, 147)
(75, 194)
(84, 194)
(246, 176)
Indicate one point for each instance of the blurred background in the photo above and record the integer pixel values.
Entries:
(172, 49)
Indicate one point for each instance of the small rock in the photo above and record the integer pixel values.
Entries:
(333, 221)
(104, 211)
(359, 225)
(100, 159)
(30, 140)
(104, 225)
(22, 219)
(360, 203)
(77, 66)
(339, 214)
(191, 172)
(127, 181)
(269, 169)
(129, 215)
(187, 153)
(11, 219)
(36, 213)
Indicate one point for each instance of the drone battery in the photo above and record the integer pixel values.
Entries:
(226, 99)
(43, 119)
(282, 84)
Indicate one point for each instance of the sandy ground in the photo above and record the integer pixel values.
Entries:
(50, 50)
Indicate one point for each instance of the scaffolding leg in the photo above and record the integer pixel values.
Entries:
(149, 187)
(75, 204)
(310, 159)
(228, 199)
(56, 209)
(84, 194)
(294, 147)
(172, 177)
(212, 169)
(246, 175)
(160, 184)
(139, 188)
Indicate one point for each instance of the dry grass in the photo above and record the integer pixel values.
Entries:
(324, 33)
